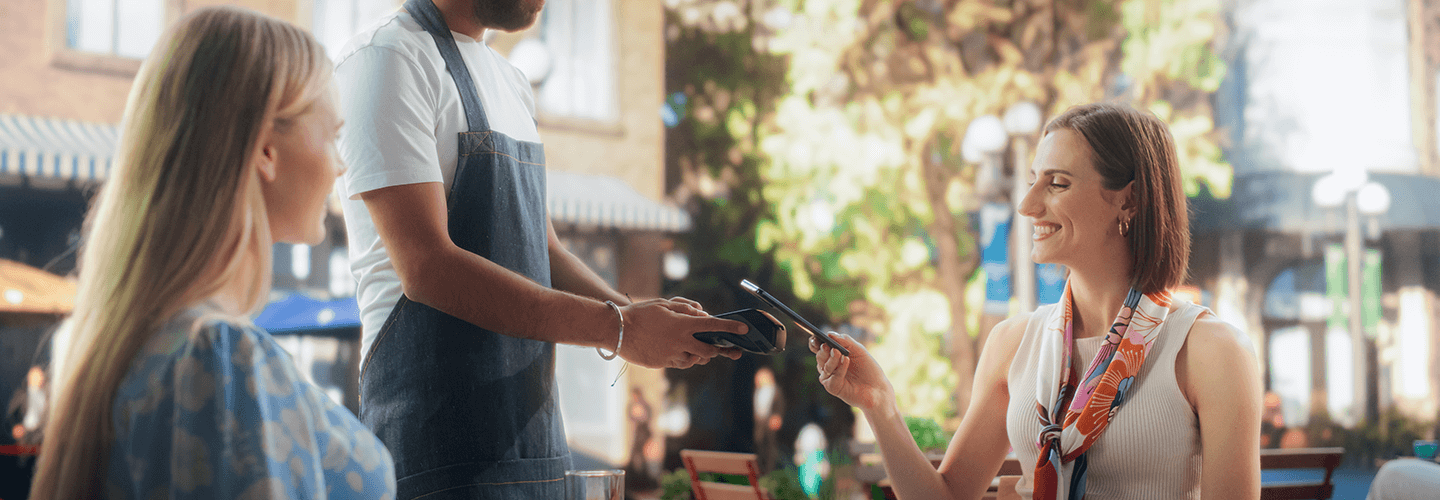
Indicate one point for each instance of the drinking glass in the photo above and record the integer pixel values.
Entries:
(607, 484)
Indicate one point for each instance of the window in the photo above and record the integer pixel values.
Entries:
(335, 21)
(580, 37)
(123, 28)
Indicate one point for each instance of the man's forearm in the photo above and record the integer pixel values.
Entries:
(487, 295)
(568, 273)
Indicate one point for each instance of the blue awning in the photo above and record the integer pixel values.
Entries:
(52, 149)
(299, 312)
(1280, 201)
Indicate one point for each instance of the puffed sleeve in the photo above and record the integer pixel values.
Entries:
(226, 415)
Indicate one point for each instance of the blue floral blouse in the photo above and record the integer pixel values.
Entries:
(212, 408)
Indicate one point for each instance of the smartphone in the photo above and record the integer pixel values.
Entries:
(801, 322)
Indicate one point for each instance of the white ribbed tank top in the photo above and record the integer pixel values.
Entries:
(1151, 450)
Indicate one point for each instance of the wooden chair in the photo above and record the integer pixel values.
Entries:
(1326, 459)
(742, 464)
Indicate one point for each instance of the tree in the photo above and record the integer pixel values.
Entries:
(848, 162)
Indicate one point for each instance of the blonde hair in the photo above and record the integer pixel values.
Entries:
(181, 219)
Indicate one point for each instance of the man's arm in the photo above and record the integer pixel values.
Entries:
(569, 273)
(411, 221)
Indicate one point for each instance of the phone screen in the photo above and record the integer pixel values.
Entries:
(801, 322)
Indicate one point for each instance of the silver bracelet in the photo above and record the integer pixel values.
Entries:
(618, 343)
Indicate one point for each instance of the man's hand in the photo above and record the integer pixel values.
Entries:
(660, 333)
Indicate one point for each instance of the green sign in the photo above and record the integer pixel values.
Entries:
(1335, 286)
(1338, 291)
(1370, 290)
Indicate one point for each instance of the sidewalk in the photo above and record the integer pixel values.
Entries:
(1351, 483)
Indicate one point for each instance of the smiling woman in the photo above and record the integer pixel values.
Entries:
(1119, 390)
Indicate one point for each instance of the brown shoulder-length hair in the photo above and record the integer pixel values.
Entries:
(1131, 145)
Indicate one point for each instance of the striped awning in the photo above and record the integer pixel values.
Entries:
(53, 149)
(598, 200)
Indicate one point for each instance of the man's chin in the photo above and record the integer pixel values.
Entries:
(508, 15)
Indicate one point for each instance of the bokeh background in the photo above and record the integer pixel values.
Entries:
(856, 158)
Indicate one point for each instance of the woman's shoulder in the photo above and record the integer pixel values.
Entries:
(1012, 330)
(1211, 338)
(1005, 338)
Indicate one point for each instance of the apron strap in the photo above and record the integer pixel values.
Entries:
(429, 18)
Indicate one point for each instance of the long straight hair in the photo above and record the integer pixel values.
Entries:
(181, 219)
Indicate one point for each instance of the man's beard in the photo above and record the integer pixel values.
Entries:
(507, 15)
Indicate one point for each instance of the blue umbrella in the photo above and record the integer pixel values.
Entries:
(299, 312)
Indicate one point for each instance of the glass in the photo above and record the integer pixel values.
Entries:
(1426, 448)
(608, 484)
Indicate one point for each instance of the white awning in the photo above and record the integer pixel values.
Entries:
(597, 200)
(48, 149)
(54, 152)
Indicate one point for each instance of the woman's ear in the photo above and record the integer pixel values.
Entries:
(265, 156)
(1128, 203)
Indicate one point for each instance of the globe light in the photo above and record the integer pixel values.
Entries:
(1022, 118)
(676, 265)
(986, 134)
(1329, 191)
(1373, 199)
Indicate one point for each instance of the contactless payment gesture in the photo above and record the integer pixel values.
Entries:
(800, 321)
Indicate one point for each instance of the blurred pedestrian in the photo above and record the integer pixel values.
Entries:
(1107, 203)
(164, 387)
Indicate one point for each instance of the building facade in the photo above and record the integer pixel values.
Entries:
(1321, 103)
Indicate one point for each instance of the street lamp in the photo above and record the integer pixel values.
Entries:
(984, 140)
(1022, 121)
(1360, 197)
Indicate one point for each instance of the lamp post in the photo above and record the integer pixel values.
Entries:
(1352, 188)
(1022, 120)
(984, 140)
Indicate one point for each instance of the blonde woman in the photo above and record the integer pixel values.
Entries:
(164, 388)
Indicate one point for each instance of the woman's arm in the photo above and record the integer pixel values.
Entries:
(1221, 379)
(976, 452)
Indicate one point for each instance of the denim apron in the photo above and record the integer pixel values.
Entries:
(466, 412)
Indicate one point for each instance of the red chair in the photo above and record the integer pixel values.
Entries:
(741, 464)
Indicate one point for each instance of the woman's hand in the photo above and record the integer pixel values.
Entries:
(855, 379)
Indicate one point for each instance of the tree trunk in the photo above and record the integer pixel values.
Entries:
(954, 268)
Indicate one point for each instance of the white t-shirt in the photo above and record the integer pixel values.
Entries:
(402, 112)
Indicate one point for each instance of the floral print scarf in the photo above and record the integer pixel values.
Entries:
(1074, 413)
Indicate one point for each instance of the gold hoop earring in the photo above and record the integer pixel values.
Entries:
(1124, 228)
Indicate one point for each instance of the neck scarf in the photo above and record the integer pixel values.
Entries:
(1074, 413)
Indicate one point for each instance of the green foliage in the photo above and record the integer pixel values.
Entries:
(832, 130)
(675, 485)
(1169, 51)
(784, 484)
(927, 433)
(1392, 436)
